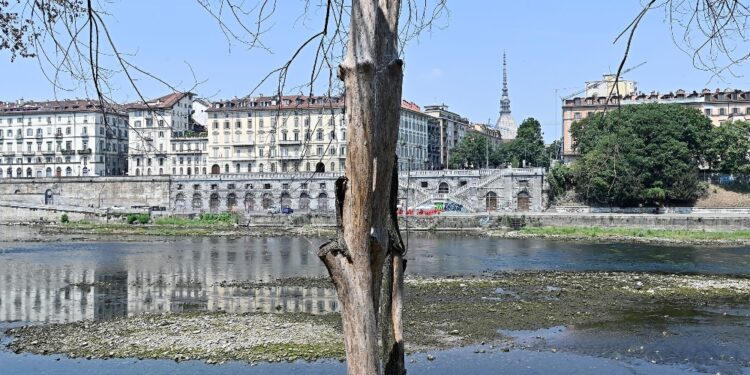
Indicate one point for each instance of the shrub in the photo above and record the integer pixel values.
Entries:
(140, 218)
(64, 219)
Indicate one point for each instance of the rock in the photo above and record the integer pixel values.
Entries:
(638, 285)
(430, 357)
(505, 349)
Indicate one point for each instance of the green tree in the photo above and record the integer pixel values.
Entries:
(528, 145)
(728, 152)
(641, 154)
(472, 152)
(554, 150)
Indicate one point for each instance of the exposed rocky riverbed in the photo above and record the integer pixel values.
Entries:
(439, 313)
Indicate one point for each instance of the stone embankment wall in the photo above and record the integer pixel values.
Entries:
(669, 221)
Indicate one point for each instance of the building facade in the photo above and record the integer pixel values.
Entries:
(412, 147)
(447, 130)
(155, 130)
(62, 139)
(719, 106)
(277, 134)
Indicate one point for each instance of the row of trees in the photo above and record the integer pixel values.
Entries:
(527, 149)
(650, 154)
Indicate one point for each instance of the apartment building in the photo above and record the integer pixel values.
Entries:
(448, 128)
(277, 134)
(412, 147)
(719, 106)
(62, 138)
(157, 129)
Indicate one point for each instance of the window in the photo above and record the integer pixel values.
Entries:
(707, 111)
(722, 111)
(423, 184)
(577, 116)
(285, 186)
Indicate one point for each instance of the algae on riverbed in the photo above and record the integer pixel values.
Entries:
(439, 313)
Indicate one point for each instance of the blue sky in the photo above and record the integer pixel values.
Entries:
(552, 46)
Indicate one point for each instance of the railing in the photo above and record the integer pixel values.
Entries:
(290, 142)
(84, 152)
(58, 135)
(68, 152)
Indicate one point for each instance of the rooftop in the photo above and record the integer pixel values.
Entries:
(57, 106)
(164, 102)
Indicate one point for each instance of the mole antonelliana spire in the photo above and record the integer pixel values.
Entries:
(505, 124)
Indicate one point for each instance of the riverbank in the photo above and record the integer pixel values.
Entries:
(637, 235)
(439, 313)
(96, 231)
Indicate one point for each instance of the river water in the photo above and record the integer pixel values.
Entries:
(70, 280)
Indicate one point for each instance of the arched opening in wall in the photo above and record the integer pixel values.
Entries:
(68, 171)
(204, 170)
(323, 202)
(48, 172)
(249, 167)
(197, 201)
(267, 201)
(10, 172)
(304, 202)
(179, 202)
(29, 173)
(237, 168)
(137, 172)
(58, 172)
(273, 167)
(226, 168)
(443, 188)
(48, 197)
(490, 201)
(1, 173)
(249, 202)
(231, 201)
(260, 167)
(523, 202)
(307, 167)
(189, 171)
(148, 171)
(161, 171)
(286, 200)
(181, 171)
(320, 168)
(19, 173)
(213, 203)
(215, 169)
(333, 167)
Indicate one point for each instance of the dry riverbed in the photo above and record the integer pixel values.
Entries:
(439, 313)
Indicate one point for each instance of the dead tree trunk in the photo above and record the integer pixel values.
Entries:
(372, 73)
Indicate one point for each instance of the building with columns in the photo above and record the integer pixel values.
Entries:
(62, 139)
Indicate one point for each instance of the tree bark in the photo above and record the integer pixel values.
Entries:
(372, 75)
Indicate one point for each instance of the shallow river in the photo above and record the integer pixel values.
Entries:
(73, 280)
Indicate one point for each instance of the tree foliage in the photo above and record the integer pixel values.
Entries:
(472, 152)
(528, 146)
(641, 154)
(728, 151)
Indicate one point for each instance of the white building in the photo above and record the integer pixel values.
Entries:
(199, 115)
(449, 129)
(154, 125)
(62, 138)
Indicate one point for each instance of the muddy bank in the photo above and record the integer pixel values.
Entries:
(439, 313)
(618, 238)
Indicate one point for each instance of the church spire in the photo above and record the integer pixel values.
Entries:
(505, 100)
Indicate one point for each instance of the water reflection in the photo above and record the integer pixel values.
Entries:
(111, 280)
(69, 281)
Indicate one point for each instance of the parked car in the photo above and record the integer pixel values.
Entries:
(273, 210)
(287, 210)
